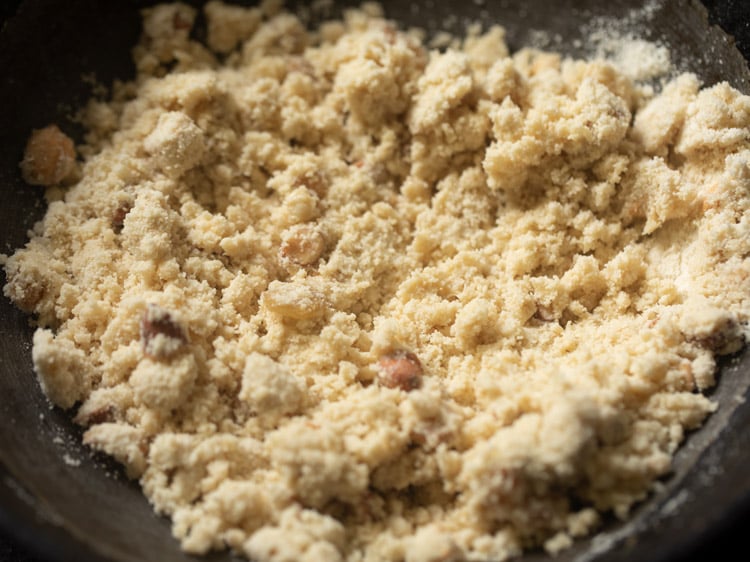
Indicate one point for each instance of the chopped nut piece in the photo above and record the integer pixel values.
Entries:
(302, 245)
(161, 335)
(118, 218)
(400, 369)
(50, 157)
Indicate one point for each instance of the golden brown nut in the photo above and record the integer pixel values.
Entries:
(49, 158)
(400, 369)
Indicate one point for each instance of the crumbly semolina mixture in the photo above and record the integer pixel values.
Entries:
(330, 295)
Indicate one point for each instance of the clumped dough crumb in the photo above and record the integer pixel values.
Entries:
(330, 295)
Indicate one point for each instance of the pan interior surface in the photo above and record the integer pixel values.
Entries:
(66, 503)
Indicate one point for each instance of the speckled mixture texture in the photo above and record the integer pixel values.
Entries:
(332, 295)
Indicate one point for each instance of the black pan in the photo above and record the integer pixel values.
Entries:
(65, 504)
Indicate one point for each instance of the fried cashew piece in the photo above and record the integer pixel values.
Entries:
(400, 369)
(49, 158)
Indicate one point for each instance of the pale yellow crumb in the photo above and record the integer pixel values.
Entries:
(332, 295)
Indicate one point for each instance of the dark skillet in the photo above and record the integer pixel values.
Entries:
(90, 512)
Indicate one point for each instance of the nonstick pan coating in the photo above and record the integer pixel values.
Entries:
(67, 505)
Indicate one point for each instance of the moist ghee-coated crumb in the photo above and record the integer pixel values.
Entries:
(330, 295)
